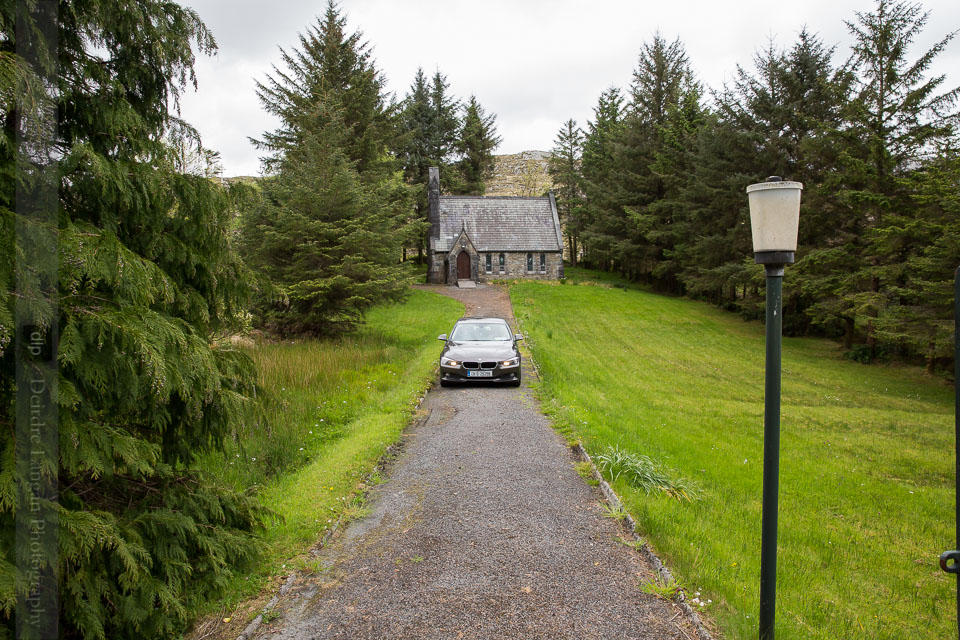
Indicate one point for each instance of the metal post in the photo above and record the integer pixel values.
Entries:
(771, 453)
(950, 560)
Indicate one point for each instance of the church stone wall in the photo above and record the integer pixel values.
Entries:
(515, 266)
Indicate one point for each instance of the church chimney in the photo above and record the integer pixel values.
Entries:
(433, 200)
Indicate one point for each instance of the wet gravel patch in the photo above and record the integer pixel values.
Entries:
(483, 530)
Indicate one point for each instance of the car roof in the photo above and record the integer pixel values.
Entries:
(478, 319)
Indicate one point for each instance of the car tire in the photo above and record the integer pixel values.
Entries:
(444, 383)
(515, 383)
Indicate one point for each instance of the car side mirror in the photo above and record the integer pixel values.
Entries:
(518, 336)
(442, 336)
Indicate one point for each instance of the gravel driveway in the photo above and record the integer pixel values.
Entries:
(484, 529)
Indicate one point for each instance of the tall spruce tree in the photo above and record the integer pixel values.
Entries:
(416, 121)
(477, 140)
(334, 215)
(666, 223)
(565, 168)
(896, 123)
(601, 225)
(444, 131)
(789, 107)
(661, 80)
(149, 286)
(327, 240)
(920, 316)
(330, 65)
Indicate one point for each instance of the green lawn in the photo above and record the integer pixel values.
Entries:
(866, 490)
(332, 409)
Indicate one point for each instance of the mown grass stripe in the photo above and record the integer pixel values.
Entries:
(866, 487)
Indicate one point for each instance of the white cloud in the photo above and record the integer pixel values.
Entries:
(534, 63)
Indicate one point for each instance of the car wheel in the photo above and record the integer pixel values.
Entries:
(444, 383)
(515, 383)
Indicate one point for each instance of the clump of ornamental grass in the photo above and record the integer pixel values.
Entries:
(641, 472)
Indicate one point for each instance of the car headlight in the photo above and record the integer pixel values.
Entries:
(512, 362)
(447, 362)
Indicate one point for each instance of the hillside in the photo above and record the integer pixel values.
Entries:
(516, 174)
(520, 174)
(861, 479)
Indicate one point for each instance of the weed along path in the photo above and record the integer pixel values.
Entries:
(483, 529)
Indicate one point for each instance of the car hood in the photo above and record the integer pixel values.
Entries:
(475, 350)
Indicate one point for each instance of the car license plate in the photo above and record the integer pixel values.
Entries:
(479, 374)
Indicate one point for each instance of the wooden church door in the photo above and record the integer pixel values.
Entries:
(463, 266)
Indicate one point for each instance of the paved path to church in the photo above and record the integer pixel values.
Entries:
(484, 529)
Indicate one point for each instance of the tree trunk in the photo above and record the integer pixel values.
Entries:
(848, 329)
(931, 357)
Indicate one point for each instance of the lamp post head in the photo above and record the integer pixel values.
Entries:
(774, 218)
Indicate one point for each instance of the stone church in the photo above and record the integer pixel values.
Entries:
(477, 239)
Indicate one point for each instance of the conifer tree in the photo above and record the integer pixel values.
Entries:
(149, 286)
(443, 134)
(789, 107)
(325, 239)
(896, 123)
(477, 140)
(920, 315)
(335, 214)
(565, 168)
(330, 64)
(661, 80)
(666, 223)
(600, 227)
(416, 121)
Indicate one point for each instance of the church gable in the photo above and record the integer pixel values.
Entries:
(499, 223)
(488, 237)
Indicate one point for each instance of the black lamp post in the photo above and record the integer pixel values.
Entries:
(774, 218)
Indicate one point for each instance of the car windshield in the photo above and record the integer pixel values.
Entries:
(481, 332)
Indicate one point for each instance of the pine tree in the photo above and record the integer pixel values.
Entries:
(477, 140)
(325, 239)
(335, 214)
(666, 222)
(601, 226)
(897, 122)
(330, 65)
(791, 106)
(149, 286)
(565, 168)
(921, 313)
(416, 121)
(720, 249)
(444, 131)
(661, 80)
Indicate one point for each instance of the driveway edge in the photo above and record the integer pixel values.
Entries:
(662, 571)
(390, 452)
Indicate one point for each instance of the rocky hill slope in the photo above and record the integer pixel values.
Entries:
(517, 174)
(520, 174)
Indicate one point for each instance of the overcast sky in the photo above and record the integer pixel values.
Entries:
(534, 63)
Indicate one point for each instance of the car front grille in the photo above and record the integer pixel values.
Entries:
(486, 364)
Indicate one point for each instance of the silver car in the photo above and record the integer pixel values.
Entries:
(480, 350)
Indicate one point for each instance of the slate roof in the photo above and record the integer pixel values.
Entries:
(499, 223)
